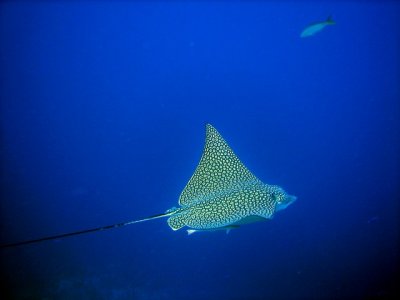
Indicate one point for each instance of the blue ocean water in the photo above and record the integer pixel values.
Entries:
(103, 113)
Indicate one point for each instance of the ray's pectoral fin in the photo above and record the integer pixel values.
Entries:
(249, 219)
(176, 222)
(218, 170)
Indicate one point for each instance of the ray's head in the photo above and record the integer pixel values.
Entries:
(282, 199)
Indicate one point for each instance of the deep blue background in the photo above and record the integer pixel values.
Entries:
(103, 113)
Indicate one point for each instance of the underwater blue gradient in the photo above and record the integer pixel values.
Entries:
(103, 113)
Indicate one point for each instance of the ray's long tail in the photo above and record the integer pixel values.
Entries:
(65, 235)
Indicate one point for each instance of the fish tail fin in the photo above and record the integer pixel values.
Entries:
(330, 21)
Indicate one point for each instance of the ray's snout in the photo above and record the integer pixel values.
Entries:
(285, 201)
(291, 199)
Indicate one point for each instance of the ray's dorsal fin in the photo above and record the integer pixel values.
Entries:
(219, 169)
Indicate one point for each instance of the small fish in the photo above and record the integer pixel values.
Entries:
(316, 27)
(227, 228)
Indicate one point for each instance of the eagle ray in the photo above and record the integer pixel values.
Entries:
(222, 194)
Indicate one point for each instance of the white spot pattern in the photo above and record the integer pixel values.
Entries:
(222, 191)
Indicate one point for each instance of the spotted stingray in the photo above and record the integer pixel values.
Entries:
(222, 194)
